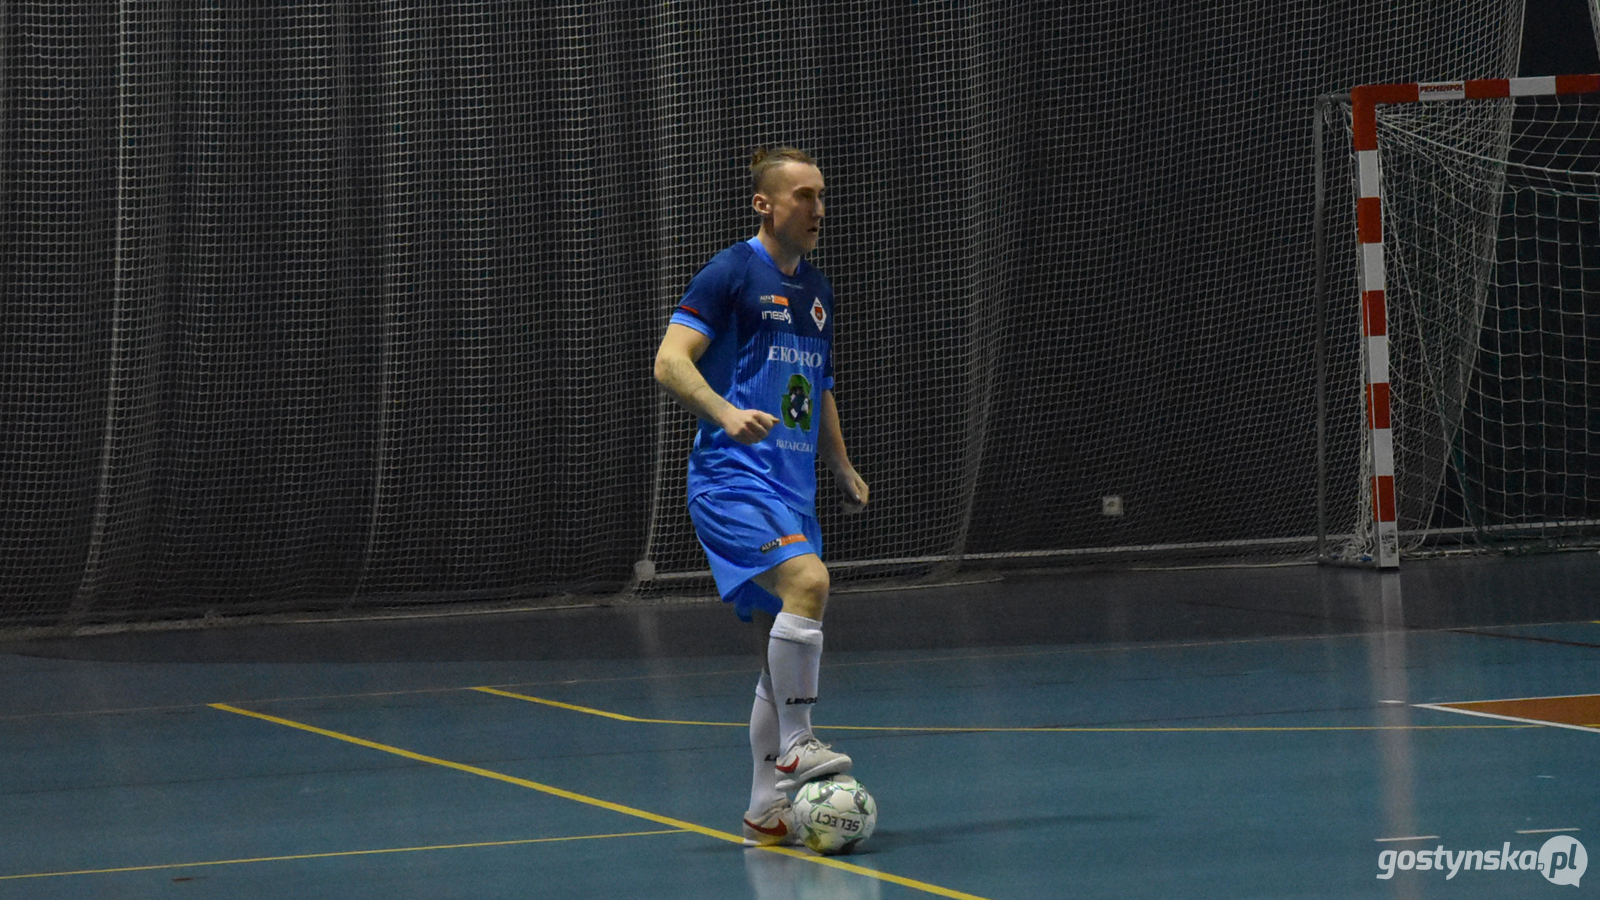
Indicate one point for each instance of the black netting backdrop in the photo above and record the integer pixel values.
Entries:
(327, 304)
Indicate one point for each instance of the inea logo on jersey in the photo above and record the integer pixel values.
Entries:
(775, 307)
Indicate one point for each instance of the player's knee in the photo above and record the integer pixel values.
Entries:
(817, 584)
(808, 591)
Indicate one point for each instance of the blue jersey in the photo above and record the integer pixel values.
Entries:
(771, 349)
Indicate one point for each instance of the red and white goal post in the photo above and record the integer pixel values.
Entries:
(1374, 277)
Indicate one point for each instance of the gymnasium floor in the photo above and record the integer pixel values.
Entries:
(1207, 733)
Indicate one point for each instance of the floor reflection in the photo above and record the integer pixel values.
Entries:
(1386, 661)
(774, 876)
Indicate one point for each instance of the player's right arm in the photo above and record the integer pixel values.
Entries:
(676, 370)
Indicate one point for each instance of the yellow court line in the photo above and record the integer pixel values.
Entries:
(981, 729)
(678, 824)
(262, 859)
(589, 710)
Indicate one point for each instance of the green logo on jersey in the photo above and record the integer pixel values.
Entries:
(797, 403)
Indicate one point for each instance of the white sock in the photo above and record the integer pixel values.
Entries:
(794, 656)
(763, 748)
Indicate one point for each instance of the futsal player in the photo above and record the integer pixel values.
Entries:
(749, 351)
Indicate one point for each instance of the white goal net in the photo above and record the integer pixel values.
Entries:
(1490, 249)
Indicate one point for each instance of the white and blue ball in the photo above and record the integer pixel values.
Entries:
(835, 814)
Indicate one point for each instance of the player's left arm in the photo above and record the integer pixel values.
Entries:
(830, 443)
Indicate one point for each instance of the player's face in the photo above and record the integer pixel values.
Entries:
(794, 198)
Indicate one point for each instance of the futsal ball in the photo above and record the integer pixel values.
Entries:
(835, 814)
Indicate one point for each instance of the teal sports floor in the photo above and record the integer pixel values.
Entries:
(1218, 733)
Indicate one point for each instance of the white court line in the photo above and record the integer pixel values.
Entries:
(1472, 712)
(1514, 699)
(1419, 837)
(1543, 830)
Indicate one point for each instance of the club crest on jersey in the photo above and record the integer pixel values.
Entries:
(818, 314)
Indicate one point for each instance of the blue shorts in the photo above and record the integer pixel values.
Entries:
(745, 533)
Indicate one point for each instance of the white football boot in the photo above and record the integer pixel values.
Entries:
(808, 760)
(774, 827)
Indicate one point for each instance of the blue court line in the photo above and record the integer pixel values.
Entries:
(746, 670)
(985, 729)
